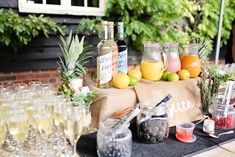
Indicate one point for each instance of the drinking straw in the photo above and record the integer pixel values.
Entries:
(163, 101)
(205, 117)
(230, 87)
(219, 32)
(225, 93)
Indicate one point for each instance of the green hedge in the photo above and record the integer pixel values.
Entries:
(168, 20)
(16, 31)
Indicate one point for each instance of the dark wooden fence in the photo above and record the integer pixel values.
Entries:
(41, 53)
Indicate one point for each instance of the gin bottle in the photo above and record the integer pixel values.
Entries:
(104, 59)
(113, 44)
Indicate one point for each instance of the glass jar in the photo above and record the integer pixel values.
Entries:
(153, 64)
(152, 125)
(113, 141)
(222, 120)
(190, 60)
(173, 60)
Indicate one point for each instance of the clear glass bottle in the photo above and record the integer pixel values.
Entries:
(122, 50)
(113, 44)
(173, 60)
(113, 141)
(104, 59)
(152, 125)
(153, 62)
(190, 60)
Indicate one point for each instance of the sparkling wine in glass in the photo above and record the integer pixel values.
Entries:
(44, 122)
(74, 124)
(2, 131)
(18, 126)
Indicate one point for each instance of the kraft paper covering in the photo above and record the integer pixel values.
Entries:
(185, 103)
(109, 101)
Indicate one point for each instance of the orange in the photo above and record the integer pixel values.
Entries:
(192, 64)
(120, 80)
(135, 72)
(184, 74)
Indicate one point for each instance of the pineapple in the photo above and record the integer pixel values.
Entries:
(71, 63)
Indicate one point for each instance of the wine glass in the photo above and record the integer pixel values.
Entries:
(74, 123)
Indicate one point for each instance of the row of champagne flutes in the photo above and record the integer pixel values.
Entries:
(37, 109)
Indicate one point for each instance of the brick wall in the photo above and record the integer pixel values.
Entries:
(45, 76)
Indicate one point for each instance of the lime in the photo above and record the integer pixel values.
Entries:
(165, 75)
(173, 77)
(133, 80)
(135, 72)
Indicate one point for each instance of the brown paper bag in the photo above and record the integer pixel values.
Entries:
(109, 101)
(185, 103)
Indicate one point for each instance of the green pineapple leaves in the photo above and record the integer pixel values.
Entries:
(74, 56)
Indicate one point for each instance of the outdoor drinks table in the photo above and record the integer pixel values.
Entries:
(86, 146)
(184, 105)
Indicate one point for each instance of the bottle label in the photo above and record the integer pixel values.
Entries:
(104, 68)
(122, 61)
(115, 60)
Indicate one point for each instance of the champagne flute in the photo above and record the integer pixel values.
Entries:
(74, 124)
(44, 121)
(59, 115)
(2, 131)
(18, 125)
(87, 119)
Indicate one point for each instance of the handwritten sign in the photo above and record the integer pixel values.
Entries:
(185, 103)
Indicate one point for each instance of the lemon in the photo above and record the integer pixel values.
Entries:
(184, 74)
(135, 72)
(120, 80)
(165, 75)
(172, 77)
(133, 81)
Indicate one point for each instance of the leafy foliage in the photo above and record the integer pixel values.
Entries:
(208, 85)
(84, 98)
(89, 26)
(151, 19)
(168, 20)
(206, 19)
(16, 31)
